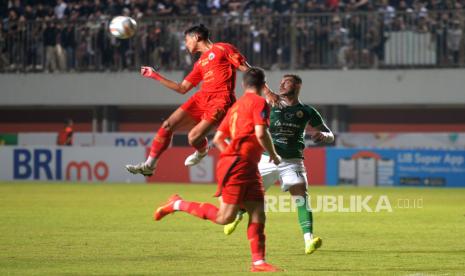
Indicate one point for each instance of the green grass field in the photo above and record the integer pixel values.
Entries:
(107, 229)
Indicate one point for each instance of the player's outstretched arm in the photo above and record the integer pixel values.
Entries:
(182, 88)
(220, 140)
(271, 97)
(322, 134)
(264, 138)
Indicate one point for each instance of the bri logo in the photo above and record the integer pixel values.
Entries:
(47, 164)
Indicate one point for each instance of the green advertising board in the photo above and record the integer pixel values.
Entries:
(8, 139)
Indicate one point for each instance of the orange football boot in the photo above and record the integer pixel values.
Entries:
(264, 267)
(166, 208)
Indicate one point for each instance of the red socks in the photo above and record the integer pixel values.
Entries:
(160, 142)
(201, 210)
(255, 231)
(256, 236)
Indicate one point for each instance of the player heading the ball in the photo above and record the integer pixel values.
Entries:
(216, 71)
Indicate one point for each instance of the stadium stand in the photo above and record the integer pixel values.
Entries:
(71, 35)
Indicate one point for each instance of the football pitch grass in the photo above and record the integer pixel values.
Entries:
(107, 229)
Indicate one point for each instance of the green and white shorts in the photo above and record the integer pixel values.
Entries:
(289, 172)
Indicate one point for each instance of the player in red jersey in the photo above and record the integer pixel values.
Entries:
(239, 182)
(216, 69)
(65, 136)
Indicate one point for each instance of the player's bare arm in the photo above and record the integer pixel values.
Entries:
(271, 97)
(322, 134)
(220, 140)
(244, 67)
(181, 88)
(264, 138)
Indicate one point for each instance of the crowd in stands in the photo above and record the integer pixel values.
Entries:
(72, 34)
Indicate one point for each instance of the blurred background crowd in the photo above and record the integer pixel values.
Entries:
(51, 36)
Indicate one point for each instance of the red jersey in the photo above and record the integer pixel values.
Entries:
(239, 124)
(217, 69)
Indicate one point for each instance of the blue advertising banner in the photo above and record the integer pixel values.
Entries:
(385, 167)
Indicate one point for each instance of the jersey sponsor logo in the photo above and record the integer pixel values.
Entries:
(288, 116)
(282, 140)
(279, 124)
(299, 114)
(211, 56)
(203, 62)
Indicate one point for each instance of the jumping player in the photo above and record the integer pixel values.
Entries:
(288, 122)
(216, 69)
(239, 182)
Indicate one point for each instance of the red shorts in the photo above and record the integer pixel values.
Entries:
(209, 106)
(238, 180)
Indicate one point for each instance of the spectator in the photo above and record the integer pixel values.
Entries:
(281, 6)
(65, 136)
(12, 39)
(68, 40)
(104, 49)
(29, 13)
(439, 32)
(50, 41)
(16, 6)
(388, 12)
(59, 49)
(3, 59)
(60, 9)
(454, 38)
(42, 12)
(338, 44)
(371, 51)
(356, 28)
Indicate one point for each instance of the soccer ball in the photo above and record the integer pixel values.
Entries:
(123, 27)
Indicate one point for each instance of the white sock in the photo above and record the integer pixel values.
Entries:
(259, 262)
(151, 161)
(176, 205)
(308, 237)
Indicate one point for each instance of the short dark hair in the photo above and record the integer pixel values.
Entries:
(200, 30)
(254, 77)
(295, 78)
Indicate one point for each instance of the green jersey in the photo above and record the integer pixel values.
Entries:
(287, 127)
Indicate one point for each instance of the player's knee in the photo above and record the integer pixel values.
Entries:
(298, 190)
(258, 217)
(261, 217)
(224, 219)
(194, 138)
(167, 125)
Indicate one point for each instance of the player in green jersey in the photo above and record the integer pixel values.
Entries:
(288, 121)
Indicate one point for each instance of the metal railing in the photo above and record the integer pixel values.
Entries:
(388, 39)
